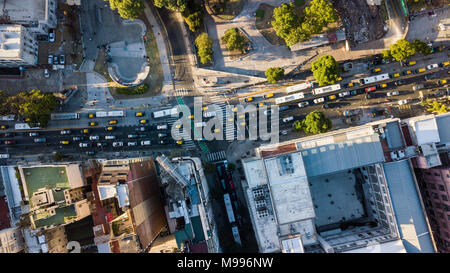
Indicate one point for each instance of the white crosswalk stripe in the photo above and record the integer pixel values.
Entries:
(181, 92)
(216, 156)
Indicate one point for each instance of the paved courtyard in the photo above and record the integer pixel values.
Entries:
(426, 27)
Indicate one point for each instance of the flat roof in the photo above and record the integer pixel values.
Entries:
(352, 153)
(62, 215)
(255, 172)
(408, 210)
(426, 131)
(389, 247)
(394, 136)
(10, 41)
(443, 123)
(24, 10)
(48, 177)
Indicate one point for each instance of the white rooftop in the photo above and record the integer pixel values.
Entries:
(10, 41)
(24, 10)
(389, 247)
(426, 131)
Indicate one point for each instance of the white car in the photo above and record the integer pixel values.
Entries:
(319, 100)
(132, 144)
(117, 144)
(394, 93)
(84, 145)
(161, 127)
(344, 94)
(110, 137)
(287, 119)
(432, 66)
(65, 132)
(303, 104)
(46, 73)
(51, 36)
(94, 138)
(50, 59)
(209, 114)
(284, 132)
(200, 124)
(145, 142)
(401, 102)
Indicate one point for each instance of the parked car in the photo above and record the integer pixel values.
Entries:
(393, 93)
(40, 140)
(418, 87)
(55, 60)
(46, 73)
(110, 137)
(132, 143)
(94, 137)
(132, 136)
(84, 145)
(117, 144)
(287, 119)
(319, 100)
(62, 59)
(162, 126)
(65, 132)
(400, 82)
(402, 102)
(33, 134)
(51, 35)
(50, 59)
(145, 142)
(370, 89)
(344, 94)
(77, 138)
(303, 104)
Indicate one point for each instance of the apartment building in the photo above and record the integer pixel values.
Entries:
(18, 46)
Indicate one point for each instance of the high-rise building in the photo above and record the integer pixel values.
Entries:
(18, 47)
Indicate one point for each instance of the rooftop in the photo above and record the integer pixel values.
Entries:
(62, 215)
(24, 10)
(10, 41)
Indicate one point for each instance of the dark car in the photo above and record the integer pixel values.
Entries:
(9, 134)
(90, 152)
(162, 142)
(400, 82)
(354, 92)
(325, 106)
(220, 170)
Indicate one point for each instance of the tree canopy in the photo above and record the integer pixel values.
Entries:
(204, 48)
(287, 25)
(195, 20)
(127, 9)
(175, 5)
(434, 106)
(402, 50)
(422, 47)
(274, 74)
(34, 105)
(234, 40)
(316, 123)
(386, 53)
(325, 70)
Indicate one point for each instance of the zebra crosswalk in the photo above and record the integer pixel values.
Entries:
(187, 142)
(216, 156)
(181, 92)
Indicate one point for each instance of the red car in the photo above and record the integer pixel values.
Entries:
(370, 89)
(230, 180)
(9, 142)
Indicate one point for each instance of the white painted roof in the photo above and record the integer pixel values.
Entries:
(426, 131)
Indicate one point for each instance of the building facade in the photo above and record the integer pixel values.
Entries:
(18, 46)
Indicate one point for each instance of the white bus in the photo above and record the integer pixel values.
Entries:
(65, 116)
(299, 87)
(165, 113)
(377, 78)
(229, 207)
(103, 114)
(296, 96)
(326, 89)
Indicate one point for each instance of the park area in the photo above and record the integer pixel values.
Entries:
(225, 9)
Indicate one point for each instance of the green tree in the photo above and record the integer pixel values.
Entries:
(316, 123)
(422, 47)
(204, 48)
(297, 125)
(386, 53)
(38, 107)
(402, 50)
(234, 40)
(318, 14)
(274, 74)
(287, 24)
(127, 9)
(195, 20)
(325, 70)
(174, 5)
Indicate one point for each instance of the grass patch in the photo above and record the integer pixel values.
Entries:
(260, 13)
(137, 90)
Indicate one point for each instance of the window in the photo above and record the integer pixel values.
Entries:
(441, 187)
(441, 215)
(434, 195)
(444, 197)
(448, 217)
(432, 186)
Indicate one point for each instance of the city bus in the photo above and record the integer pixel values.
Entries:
(377, 78)
(299, 87)
(326, 89)
(165, 113)
(293, 97)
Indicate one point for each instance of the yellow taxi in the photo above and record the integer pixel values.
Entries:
(178, 126)
(267, 96)
(64, 142)
(339, 79)
(191, 117)
(234, 109)
(205, 108)
(85, 131)
(332, 97)
(217, 130)
(446, 63)
(92, 123)
(242, 116)
(442, 82)
(143, 121)
(139, 114)
(420, 70)
(375, 70)
(109, 128)
(91, 115)
(383, 85)
(411, 63)
(230, 119)
(396, 75)
(261, 104)
(3, 127)
(243, 123)
(112, 122)
(179, 142)
(27, 119)
(249, 99)
(407, 72)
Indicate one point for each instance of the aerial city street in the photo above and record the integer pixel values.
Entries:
(224, 126)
